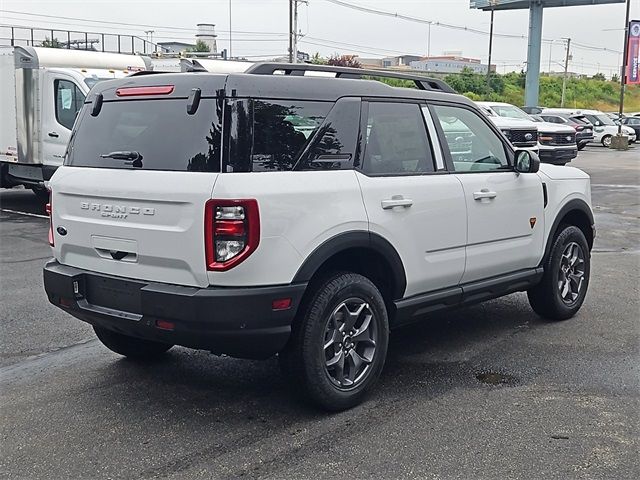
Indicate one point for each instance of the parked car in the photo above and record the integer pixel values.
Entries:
(556, 143)
(603, 127)
(583, 128)
(191, 210)
(532, 110)
(632, 122)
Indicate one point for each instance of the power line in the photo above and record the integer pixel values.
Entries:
(160, 27)
(448, 25)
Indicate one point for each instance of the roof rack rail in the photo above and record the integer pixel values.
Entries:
(299, 69)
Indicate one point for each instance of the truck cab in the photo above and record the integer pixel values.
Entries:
(43, 91)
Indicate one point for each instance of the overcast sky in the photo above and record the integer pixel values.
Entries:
(368, 35)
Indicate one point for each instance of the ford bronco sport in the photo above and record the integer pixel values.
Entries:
(275, 212)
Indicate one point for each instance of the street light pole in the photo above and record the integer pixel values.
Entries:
(490, 49)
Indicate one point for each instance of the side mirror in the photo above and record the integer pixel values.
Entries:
(527, 161)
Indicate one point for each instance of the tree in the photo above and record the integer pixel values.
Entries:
(344, 61)
(615, 78)
(599, 76)
(200, 47)
(316, 59)
(51, 43)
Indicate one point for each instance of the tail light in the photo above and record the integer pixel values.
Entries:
(48, 208)
(231, 232)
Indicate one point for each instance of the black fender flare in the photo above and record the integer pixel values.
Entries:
(355, 239)
(571, 205)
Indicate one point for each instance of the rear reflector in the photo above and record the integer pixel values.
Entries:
(165, 325)
(136, 91)
(65, 302)
(281, 304)
(49, 210)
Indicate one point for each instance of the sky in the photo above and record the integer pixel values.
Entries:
(260, 27)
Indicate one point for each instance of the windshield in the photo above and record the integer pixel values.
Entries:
(509, 111)
(602, 118)
(91, 81)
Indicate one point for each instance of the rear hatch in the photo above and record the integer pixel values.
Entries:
(140, 167)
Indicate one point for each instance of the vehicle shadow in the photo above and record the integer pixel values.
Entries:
(435, 353)
(21, 200)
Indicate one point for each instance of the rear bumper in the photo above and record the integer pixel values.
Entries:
(235, 321)
(558, 155)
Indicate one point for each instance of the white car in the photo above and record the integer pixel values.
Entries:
(603, 127)
(556, 143)
(203, 210)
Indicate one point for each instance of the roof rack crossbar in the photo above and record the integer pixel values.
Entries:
(296, 69)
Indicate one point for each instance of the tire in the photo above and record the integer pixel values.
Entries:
(131, 347)
(318, 346)
(550, 298)
(581, 146)
(606, 141)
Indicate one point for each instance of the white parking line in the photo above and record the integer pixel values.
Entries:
(7, 210)
(606, 185)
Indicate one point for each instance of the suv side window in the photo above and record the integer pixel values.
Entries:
(474, 147)
(282, 130)
(395, 140)
(68, 102)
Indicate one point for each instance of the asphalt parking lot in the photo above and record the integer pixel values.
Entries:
(486, 392)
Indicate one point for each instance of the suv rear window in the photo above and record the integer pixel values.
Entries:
(161, 131)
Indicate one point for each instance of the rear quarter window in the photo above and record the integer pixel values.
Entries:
(161, 131)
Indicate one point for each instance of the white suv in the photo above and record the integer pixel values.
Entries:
(259, 214)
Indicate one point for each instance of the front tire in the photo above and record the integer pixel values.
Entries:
(581, 146)
(564, 284)
(131, 347)
(339, 342)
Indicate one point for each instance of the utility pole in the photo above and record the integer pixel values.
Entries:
(291, 30)
(566, 68)
(295, 31)
(490, 49)
(429, 40)
(624, 66)
(230, 39)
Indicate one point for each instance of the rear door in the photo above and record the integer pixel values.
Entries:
(409, 197)
(139, 170)
(505, 218)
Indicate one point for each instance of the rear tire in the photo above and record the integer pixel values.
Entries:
(131, 347)
(564, 284)
(606, 141)
(339, 342)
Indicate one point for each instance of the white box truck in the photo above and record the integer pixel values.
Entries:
(42, 91)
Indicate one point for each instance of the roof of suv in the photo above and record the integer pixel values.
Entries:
(269, 86)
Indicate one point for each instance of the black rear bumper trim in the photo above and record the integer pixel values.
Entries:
(239, 322)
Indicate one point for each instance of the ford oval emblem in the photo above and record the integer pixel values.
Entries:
(568, 138)
(528, 137)
(62, 231)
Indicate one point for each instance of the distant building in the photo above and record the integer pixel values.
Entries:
(449, 64)
(569, 74)
(399, 62)
(175, 47)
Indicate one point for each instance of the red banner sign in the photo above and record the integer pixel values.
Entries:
(633, 53)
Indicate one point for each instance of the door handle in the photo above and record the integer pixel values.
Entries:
(396, 201)
(53, 134)
(484, 193)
